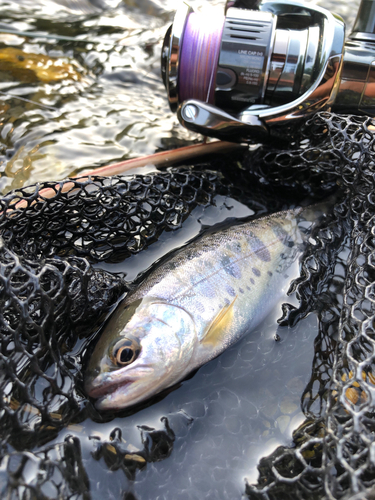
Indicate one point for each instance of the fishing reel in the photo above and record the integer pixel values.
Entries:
(249, 74)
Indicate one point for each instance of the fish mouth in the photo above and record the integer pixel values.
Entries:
(113, 392)
(113, 397)
(102, 388)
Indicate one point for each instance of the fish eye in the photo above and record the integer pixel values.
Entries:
(124, 352)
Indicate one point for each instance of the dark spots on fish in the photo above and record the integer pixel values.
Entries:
(171, 266)
(283, 236)
(200, 307)
(190, 255)
(198, 318)
(248, 288)
(234, 271)
(256, 271)
(241, 290)
(209, 292)
(230, 267)
(252, 281)
(209, 264)
(225, 261)
(227, 301)
(259, 248)
(230, 290)
(269, 273)
(20, 58)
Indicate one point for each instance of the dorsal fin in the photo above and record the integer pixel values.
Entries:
(218, 328)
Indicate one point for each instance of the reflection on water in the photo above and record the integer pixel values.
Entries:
(116, 110)
(111, 104)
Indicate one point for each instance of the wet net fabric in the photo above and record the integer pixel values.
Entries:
(54, 294)
(52, 299)
(334, 449)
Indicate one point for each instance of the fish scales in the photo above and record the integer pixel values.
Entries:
(192, 307)
(223, 267)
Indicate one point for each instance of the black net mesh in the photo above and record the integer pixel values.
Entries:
(60, 244)
(333, 456)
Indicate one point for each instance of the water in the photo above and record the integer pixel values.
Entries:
(100, 98)
(110, 105)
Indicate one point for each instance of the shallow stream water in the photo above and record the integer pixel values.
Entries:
(92, 95)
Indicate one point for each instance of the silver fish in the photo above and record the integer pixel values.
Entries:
(192, 308)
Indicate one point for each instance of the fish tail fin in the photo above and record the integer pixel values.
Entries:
(315, 215)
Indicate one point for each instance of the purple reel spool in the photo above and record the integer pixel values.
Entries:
(199, 58)
(217, 59)
(246, 73)
(190, 56)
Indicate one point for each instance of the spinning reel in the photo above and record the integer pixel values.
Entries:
(249, 73)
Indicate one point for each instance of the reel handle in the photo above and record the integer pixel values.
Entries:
(202, 117)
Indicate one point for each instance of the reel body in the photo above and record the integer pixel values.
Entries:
(254, 71)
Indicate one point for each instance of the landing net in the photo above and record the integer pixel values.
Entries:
(57, 287)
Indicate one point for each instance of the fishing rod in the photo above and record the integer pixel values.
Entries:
(249, 73)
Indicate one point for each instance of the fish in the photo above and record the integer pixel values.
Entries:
(29, 68)
(191, 308)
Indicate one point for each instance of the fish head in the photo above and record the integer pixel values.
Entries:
(144, 348)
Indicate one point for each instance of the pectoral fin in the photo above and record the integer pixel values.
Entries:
(219, 326)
